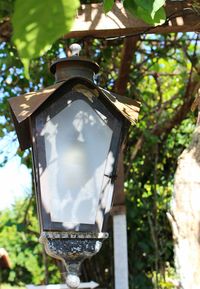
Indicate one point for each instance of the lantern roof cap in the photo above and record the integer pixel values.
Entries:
(22, 107)
(75, 59)
(74, 66)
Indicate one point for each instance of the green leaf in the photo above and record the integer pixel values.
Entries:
(148, 11)
(107, 5)
(25, 62)
(37, 24)
(159, 17)
(157, 4)
(145, 4)
(151, 6)
(131, 6)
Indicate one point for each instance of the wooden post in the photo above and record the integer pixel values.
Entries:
(120, 251)
(120, 231)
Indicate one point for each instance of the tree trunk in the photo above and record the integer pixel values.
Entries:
(185, 215)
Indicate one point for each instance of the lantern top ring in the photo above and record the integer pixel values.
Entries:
(75, 60)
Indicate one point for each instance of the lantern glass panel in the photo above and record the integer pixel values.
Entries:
(77, 142)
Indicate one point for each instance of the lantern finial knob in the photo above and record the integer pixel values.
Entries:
(73, 281)
(75, 49)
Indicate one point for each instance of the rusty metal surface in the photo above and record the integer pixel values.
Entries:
(23, 106)
(75, 66)
(128, 107)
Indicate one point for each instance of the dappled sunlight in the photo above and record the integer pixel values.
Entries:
(81, 158)
(23, 106)
(179, 21)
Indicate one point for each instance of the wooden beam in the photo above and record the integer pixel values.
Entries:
(91, 21)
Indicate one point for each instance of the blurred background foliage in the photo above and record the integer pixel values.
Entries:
(164, 71)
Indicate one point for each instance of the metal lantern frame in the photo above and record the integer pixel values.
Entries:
(72, 243)
(116, 123)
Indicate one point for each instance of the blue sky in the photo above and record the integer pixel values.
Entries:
(15, 178)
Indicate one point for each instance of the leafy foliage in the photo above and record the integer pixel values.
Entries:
(150, 11)
(19, 235)
(107, 5)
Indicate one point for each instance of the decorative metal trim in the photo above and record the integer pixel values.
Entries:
(72, 249)
(72, 235)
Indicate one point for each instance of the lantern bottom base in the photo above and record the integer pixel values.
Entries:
(72, 249)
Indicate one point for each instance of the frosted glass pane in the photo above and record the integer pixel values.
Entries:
(77, 143)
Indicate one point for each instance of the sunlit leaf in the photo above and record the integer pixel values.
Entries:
(157, 4)
(37, 24)
(25, 62)
(151, 11)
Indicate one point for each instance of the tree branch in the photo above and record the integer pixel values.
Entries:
(5, 29)
(128, 51)
(166, 127)
(180, 114)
